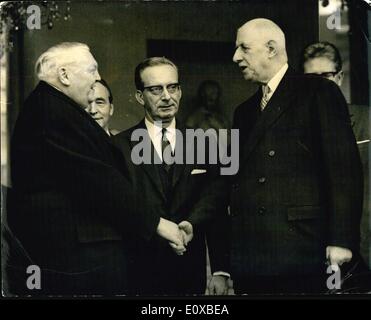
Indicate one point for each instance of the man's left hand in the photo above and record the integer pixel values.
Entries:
(218, 285)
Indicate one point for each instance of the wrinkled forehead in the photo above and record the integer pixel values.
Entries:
(249, 35)
(160, 74)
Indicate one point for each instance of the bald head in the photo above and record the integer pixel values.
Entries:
(260, 50)
(265, 31)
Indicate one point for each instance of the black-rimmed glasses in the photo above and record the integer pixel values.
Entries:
(158, 90)
(328, 74)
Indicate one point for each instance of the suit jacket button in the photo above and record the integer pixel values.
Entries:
(262, 179)
(262, 210)
(271, 153)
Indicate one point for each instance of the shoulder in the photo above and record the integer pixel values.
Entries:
(307, 84)
(56, 106)
(125, 135)
(48, 109)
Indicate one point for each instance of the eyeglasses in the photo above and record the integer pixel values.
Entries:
(328, 74)
(158, 90)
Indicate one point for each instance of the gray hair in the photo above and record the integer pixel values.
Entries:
(48, 63)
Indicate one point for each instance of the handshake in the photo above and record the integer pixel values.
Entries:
(178, 235)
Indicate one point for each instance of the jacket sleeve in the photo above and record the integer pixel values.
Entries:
(342, 168)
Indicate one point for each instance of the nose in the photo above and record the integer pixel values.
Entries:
(165, 95)
(92, 108)
(97, 76)
(237, 56)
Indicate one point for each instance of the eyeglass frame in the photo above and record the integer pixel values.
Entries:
(176, 84)
(326, 74)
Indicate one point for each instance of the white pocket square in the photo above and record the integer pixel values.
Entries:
(363, 141)
(198, 171)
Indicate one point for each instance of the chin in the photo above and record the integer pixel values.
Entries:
(168, 115)
(248, 76)
(167, 118)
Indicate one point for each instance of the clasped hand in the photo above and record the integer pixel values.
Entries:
(185, 235)
(178, 235)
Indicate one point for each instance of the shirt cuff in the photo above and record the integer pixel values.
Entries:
(222, 273)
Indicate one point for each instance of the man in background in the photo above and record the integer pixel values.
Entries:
(323, 59)
(101, 105)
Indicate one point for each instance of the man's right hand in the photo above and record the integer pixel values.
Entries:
(171, 232)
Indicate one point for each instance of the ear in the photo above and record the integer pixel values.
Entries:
(63, 76)
(139, 97)
(111, 109)
(272, 48)
(180, 93)
(340, 76)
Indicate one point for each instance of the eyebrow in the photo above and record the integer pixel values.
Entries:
(241, 44)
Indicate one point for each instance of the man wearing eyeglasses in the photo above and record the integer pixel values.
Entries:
(180, 197)
(323, 59)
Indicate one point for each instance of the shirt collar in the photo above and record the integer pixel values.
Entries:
(275, 81)
(155, 133)
(156, 129)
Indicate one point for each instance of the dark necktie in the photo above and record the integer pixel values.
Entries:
(165, 144)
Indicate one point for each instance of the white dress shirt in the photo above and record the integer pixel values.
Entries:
(275, 81)
(155, 133)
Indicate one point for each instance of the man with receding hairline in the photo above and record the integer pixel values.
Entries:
(297, 199)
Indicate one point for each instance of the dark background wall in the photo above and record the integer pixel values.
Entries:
(119, 34)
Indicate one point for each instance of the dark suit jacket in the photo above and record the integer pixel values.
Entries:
(360, 118)
(299, 187)
(156, 268)
(68, 204)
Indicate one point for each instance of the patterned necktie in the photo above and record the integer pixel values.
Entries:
(165, 154)
(264, 100)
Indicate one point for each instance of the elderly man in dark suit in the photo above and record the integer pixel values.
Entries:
(297, 199)
(69, 207)
(183, 193)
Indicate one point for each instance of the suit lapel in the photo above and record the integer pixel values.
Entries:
(150, 169)
(277, 105)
